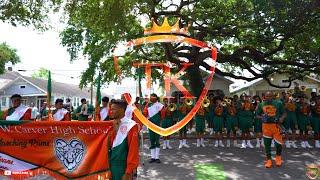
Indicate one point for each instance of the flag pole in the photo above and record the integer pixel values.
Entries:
(98, 99)
(49, 91)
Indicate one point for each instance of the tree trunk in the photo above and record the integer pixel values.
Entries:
(195, 80)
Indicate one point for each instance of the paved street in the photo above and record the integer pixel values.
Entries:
(236, 163)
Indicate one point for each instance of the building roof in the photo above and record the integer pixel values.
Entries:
(260, 80)
(69, 90)
(246, 85)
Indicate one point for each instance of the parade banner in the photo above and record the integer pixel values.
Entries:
(63, 150)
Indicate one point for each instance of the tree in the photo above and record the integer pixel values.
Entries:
(7, 54)
(42, 73)
(257, 37)
(26, 13)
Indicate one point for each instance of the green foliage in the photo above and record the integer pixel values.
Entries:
(259, 37)
(42, 73)
(7, 54)
(28, 12)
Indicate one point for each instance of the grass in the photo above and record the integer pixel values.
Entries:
(209, 171)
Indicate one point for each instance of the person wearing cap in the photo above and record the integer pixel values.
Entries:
(272, 114)
(60, 113)
(18, 111)
(304, 125)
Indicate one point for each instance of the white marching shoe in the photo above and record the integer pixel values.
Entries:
(258, 144)
(293, 144)
(243, 144)
(216, 144)
(202, 142)
(287, 144)
(228, 143)
(185, 143)
(164, 145)
(317, 144)
(198, 142)
(168, 144)
(307, 144)
(249, 144)
(303, 145)
(221, 143)
(181, 144)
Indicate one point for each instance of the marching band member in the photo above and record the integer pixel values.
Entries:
(231, 123)
(271, 113)
(218, 122)
(315, 119)
(82, 111)
(18, 111)
(44, 111)
(60, 113)
(122, 143)
(152, 111)
(245, 115)
(167, 121)
(134, 117)
(200, 125)
(303, 112)
(210, 114)
(257, 122)
(183, 110)
(290, 122)
(104, 110)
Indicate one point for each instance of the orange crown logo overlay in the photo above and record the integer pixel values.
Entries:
(165, 28)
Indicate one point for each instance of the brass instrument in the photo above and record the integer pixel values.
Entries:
(290, 92)
(312, 103)
(277, 95)
(226, 101)
(253, 101)
(188, 101)
(296, 100)
(206, 102)
(224, 104)
(172, 107)
(303, 88)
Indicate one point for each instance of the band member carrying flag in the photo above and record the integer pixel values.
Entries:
(152, 111)
(18, 111)
(122, 143)
(60, 113)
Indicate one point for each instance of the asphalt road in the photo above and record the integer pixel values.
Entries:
(235, 163)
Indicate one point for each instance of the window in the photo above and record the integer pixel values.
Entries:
(4, 101)
(22, 86)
